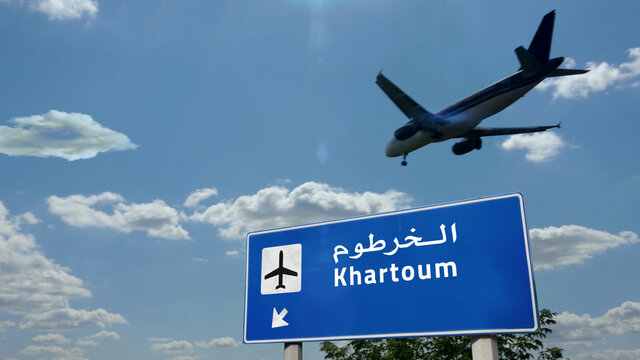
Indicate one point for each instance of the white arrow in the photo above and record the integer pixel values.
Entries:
(278, 319)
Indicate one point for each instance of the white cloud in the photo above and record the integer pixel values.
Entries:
(600, 77)
(27, 218)
(102, 335)
(65, 9)
(584, 330)
(39, 350)
(232, 253)
(105, 335)
(156, 218)
(69, 319)
(172, 347)
(84, 342)
(200, 260)
(155, 339)
(29, 281)
(540, 147)
(573, 244)
(199, 195)
(64, 354)
(6, 324)
(218, 342)
(40, 289)
(277, 206)
(609, 355)
(71, 136)
(56, 339)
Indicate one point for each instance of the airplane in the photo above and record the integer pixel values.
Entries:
(461, 119)
(281, 270)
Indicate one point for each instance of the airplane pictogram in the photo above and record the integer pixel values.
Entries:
(280, 271)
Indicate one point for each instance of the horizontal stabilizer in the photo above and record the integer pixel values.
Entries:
(566, 72)
(528, 63)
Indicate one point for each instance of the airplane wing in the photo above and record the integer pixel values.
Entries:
(406, 104)
(272, 274)
(484, 131)
(280, 270)
(288, 272)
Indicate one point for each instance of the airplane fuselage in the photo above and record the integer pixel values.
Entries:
(467, 113)
(461, 119)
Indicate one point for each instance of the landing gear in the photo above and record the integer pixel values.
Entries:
(404, 160)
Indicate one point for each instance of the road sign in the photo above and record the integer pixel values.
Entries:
(451, 269)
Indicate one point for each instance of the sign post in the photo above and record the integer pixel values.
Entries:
(484, 347)
(461, 268)
(293, 351)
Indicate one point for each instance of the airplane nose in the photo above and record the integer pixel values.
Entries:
(392, 149)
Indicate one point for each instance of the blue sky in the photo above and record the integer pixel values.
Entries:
(141, 141)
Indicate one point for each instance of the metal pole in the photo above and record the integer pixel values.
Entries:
(293, 351)
(484, 347)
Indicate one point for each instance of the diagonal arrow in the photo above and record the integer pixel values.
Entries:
(278, 319)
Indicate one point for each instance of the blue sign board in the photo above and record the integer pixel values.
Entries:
(451, 269)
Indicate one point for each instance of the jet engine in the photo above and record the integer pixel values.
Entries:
(466, 145)
(406, 131)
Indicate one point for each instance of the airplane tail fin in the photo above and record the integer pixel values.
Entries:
(537, 55)
(540, 46)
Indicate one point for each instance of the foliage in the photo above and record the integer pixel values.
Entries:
(510, 346)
